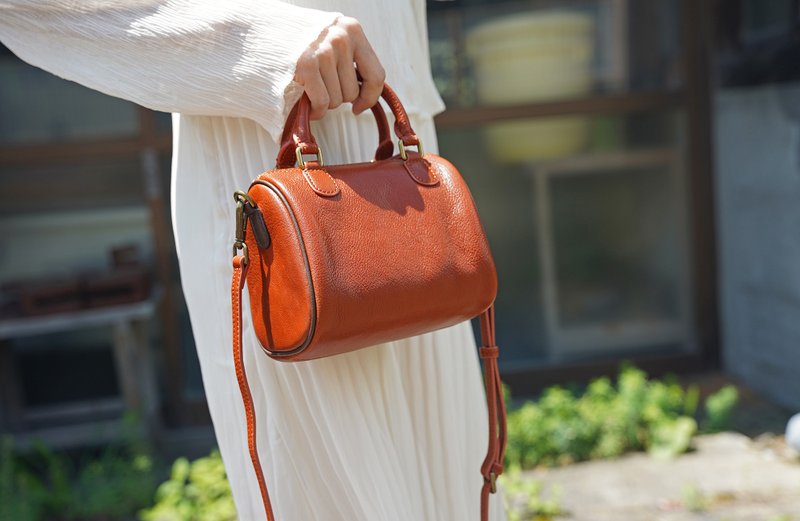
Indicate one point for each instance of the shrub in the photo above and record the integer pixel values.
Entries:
(719, 407)
(526, 500)
(22, 495)
(607, 420)
(196, 491)
(44, 485)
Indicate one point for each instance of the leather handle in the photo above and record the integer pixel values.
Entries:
(297, 131)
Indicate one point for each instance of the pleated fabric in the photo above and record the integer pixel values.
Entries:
(391, 432)
(387, 433)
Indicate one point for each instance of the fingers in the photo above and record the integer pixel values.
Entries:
(317, 92)
(348, 81)
(330, 75)
(372, 74)
(370, 91)
(327, 70)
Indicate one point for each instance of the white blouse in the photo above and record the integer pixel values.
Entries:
(211, 57)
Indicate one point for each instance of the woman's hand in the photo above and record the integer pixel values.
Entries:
(327, 69)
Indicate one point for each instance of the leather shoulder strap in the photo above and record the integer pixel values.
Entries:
(493, 463)
(239, 278)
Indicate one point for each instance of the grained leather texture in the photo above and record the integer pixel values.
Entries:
(321, 182)
(423, 171)
(281, 294)
(388, 256)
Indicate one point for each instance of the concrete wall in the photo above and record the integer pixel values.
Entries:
(757, 178)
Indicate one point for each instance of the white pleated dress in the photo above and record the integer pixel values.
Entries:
(395, 432)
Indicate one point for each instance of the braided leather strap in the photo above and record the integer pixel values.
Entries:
(492, 465)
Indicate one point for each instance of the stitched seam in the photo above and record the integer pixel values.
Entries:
(420, 181)
(430, 171)
(316, 188)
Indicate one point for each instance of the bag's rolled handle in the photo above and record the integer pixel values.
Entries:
(297, 139)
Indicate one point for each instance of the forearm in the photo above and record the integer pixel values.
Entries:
(209, 57)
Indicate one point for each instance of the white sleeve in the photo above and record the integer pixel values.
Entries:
(202, 57)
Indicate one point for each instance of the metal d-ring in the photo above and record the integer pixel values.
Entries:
(302, 163)
(402, 147)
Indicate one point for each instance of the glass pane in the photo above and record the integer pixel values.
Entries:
(756, 42)
(524, 141)
(616, 277)
(762, 20)
(65, 367)
(38, 107)
(586, 217)
(500, 53)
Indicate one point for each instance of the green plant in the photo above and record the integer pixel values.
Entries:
(42, 484)
(196, 491)
(694, 499)
(112, 487)
(525, 498)
(22, 495)
(671, 437)
(606, 420)
(719, 408)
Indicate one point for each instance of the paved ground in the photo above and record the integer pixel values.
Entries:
(746, 475)
(729, 477)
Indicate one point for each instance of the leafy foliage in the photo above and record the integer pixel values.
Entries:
(21, 494)
(196, 491)
(44, 485)
(719, 408)
(526, 500)
(607, 420)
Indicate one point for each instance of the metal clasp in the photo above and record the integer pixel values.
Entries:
(402, 147)
(241, 199)
(302, 163)
(493, 482)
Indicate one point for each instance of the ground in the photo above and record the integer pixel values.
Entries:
(748, 474)
(729, 477)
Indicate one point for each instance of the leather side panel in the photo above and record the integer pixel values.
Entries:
(278, 279)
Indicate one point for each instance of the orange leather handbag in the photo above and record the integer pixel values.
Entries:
(338, 258)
